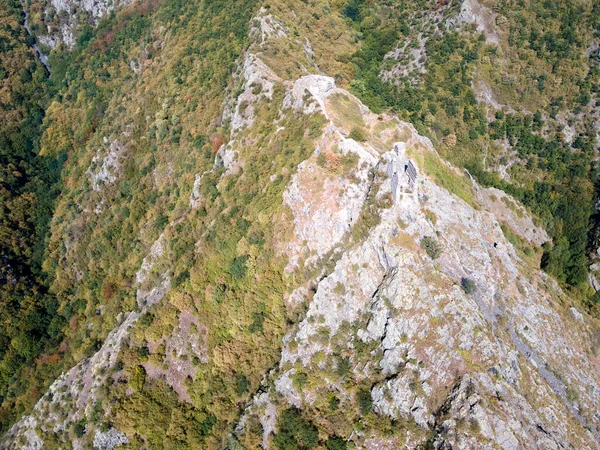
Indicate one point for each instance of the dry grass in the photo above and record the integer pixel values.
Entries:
(344, 111)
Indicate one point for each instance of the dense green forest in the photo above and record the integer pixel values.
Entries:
(29, 185)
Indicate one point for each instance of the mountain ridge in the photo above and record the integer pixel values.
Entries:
(296, 271)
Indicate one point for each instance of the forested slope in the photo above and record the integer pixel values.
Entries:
(29, 185)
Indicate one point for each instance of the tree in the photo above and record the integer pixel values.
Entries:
(468, 285)
(295, 432)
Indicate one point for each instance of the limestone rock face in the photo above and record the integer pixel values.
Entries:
(69, 14)
(109, 439)
(104, 168)
(473, 12)
(431, 340)
(325, 211)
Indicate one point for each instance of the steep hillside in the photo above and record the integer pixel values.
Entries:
(29, 184)
(506, 89)
(244, 254)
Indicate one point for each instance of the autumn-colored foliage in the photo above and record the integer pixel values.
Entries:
(216, 141)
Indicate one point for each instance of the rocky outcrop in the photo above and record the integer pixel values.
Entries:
(109, 440)
(68, 15)
(473, 12)
(411, 57)
(104, 167)
(186, 343)
(256, 81)
(518, 359)
(324, 203)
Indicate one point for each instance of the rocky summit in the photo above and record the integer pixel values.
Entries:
(300, 225)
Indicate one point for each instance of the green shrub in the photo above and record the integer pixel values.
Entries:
(80, 428)
(365, 402)
(334, 403)
(321, 160)
(242, 384)
(336, 443)
(343, 367)
(258, 320)
(238, 267)
(256, 88)
(468, 285)
(358, 134)
(146, 320)
(294, 432)
(431, 246)
(207, 424)
(161, 222)
(138, 378)
(299, 380)
(349, 161)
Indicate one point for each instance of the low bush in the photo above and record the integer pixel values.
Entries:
(431, 246)
(295, 432)
(365, 402)
(468, 285)
(358, 134)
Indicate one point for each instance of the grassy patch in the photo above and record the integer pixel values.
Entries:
(346, 110)
(447, 177)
